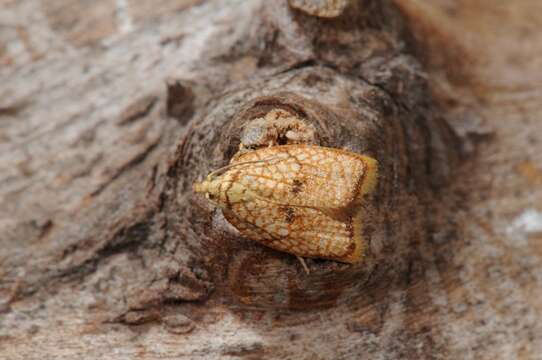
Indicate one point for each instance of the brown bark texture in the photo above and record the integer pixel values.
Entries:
(111, 109)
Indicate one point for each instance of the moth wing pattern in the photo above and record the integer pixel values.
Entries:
(303, 175)
(301, 199)
(303, 231)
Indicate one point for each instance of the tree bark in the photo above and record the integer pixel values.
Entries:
(110, 111)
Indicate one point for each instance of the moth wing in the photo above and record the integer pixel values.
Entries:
(310, 176)
(298, 230)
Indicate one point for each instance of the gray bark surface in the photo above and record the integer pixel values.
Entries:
(110, 111)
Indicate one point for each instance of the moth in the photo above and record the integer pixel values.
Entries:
(300, 199)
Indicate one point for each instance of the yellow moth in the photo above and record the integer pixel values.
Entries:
(301, 199)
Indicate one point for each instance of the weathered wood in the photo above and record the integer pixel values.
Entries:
(109, 112)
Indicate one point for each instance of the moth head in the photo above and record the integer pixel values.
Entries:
(210, 187)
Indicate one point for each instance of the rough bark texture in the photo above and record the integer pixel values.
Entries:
(109, 111)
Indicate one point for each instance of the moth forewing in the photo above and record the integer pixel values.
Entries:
(302, 231)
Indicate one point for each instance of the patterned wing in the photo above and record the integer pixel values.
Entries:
(304, 175)
(302, 231)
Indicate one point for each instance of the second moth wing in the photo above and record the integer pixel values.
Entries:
(303, 231)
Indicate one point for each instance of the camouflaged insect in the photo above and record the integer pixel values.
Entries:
(301, 199)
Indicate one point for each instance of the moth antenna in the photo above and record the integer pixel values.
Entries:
(230, 166)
